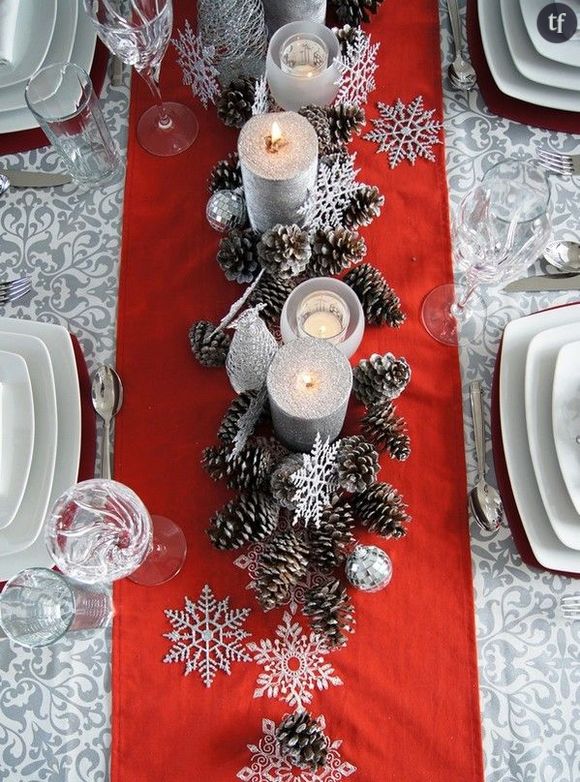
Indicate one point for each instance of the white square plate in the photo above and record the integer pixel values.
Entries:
(567, 52)
(34, 28)
(566, 418)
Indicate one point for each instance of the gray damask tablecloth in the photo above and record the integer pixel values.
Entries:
(55, 702)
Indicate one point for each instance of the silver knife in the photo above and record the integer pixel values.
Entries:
(19, 178)
(543, 282)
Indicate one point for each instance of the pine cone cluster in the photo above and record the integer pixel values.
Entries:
(282, 564)
(334, 125)
(381, 509)
(357, 464)
(380, 377)
(209, 348)
(284, 251)
(302, 740)
(355, 12)
(234, 106)
(379, 302)
(345, 36)
(387, 430)
(334, 250)
(331, 612)
(237, 255)
(330, 542)
(272, 292)
(364, 206)
(226, 175)
(318, 118)
(230, 425)
(251, 517)
(281, 484)
(250, 469)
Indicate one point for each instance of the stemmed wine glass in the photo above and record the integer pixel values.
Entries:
(501, 227)
(138, 33)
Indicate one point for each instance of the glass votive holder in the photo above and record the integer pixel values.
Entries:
(323, 315)
(290, 328)
(300, 85)
(304, 55)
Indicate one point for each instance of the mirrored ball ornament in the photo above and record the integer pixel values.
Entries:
(226, 209)
(368, 568)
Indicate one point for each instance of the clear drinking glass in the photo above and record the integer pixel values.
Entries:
(501, 227)
(62, 99)
(99, 531)
(138, 33)
(39, 606)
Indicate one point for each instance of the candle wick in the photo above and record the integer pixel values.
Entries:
(275, 145)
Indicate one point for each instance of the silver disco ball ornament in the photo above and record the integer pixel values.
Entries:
(226, 209)
(368, 568)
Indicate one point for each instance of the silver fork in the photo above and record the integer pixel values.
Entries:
(570, 605)
(10, 290)
(566, 165)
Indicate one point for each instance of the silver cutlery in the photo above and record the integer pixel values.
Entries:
(566, 165)
(484, 500)
(564, 256)
(545, 282)
(11, 290)
(461, 72)
(107, 398)
(570, 605)
(13, 177)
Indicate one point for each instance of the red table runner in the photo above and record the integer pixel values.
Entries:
(408, 708)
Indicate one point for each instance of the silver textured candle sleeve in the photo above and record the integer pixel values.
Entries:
(280, 12)
(276, 183)
(299, 412)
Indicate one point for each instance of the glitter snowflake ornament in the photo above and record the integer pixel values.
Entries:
(335, 186)
(261, 104)
(197, 65)
(405, 131)
(207, 636)
(357, 68)
(315, 482)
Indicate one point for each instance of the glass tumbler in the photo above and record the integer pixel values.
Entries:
(62, 98)
(39, 606)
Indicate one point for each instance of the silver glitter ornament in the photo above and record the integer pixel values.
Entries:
(226, 209)
(251, 351)
(368, 568)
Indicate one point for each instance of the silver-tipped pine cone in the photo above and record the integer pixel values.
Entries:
(334, 250)
(230, 424)
(382, 509)
(357, 464)
(210, 347)
(379, 378)
(331, 612)
(318, 118)
(248, 470)
(355, 12)
(237, 255)
(226, 175)
(281, 566)
(331, 541)
(272, 292)
(251, 517)
(281, 484)
(344, 121)
(345, 35)
(234, 106)
(387, 430)
(284, 251)
(380, 303)
(365, 205)
(302, 741)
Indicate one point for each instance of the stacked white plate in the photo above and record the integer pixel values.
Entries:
(539, 398)
(523, 64)
(40, 435)
(47, 31)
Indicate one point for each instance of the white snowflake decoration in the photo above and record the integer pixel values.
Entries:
(207, 636)
(247, 422)
(268, 765)
(406, 131)
(315, 482)
(261, 102)
(197, 65)
(293, 665)
(357, 70)
(335, 186)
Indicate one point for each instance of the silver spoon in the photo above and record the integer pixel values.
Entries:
(564, 256)
(461, 73)
(484, 500)
(107, 397)
(4, 184)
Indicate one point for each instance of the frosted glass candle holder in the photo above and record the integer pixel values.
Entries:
(296, 89)
(323, 315)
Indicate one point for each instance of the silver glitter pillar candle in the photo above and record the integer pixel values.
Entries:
(280, 12)
(277, 173)
(309, 384)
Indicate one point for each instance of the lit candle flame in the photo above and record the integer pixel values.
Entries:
(275, 133)
(308, 380)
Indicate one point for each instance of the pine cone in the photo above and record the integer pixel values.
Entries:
(381, 508)
(331, 612)
(329, 543)
(357, 464)
(344, 35)
(334, 250)
(282, 564)
(234, 106)
(284, 251)
(249, 518)
(250, 469)
(237, 255)
(273, 292)
(209, 349)
(379, 302)
(387, 431)
(302, 740)
(282, 487)
(355, 12)
(380, 377)
(318, 118)
(364, 206)
(226, 175)
(343, 121)
(230, 425)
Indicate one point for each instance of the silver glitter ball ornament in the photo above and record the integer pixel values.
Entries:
(368, 568)
(226, 209)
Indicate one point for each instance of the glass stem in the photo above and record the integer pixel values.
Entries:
(151, 78)
(458, 306)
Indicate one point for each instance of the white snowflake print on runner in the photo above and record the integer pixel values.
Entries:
(293, 663)
(315, 481)
(357, 70)
(268, 765)
(405, 131)
(197, 65)
(207, 636)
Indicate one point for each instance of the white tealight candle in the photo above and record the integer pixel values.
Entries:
(303, 55)
(323, 315)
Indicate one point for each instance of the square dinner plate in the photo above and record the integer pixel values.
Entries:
(566, 418)
(567, 52)
(35, 26)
